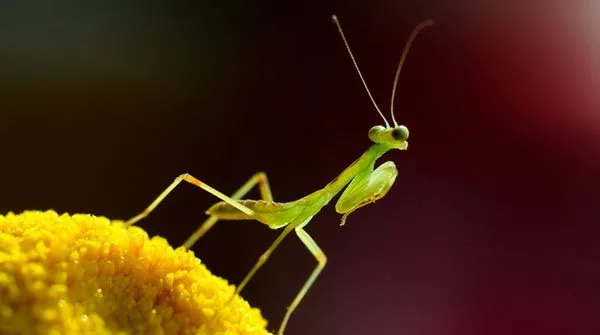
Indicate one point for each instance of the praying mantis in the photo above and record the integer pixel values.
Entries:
(360, 182)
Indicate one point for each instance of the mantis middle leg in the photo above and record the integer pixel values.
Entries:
(322, 261)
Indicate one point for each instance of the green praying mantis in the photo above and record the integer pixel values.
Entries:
(361, 183)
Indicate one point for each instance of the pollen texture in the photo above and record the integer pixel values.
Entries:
(82, 274)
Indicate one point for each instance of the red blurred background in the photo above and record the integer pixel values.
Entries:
(491, 228)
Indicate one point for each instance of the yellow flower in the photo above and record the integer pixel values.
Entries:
(82, 274)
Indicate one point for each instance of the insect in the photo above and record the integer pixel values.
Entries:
(360, 182)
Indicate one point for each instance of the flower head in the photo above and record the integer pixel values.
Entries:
(82, 274)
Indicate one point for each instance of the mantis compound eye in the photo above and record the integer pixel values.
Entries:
(400, 133)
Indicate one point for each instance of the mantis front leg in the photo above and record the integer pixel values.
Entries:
(366, 188)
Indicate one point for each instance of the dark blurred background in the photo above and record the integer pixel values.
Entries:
(491, 228)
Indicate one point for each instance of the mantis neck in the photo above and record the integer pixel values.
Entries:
(363, 164)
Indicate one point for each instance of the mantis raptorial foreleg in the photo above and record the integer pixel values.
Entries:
(259, 178)
(366, 188)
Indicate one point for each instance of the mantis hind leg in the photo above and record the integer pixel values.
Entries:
(366, 188)
(259, 178)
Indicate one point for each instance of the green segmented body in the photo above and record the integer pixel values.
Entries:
(279, 214)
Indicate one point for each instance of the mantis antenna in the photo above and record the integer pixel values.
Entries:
(415, 31)
(339, 26)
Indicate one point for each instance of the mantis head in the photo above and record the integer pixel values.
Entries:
(394, 137)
